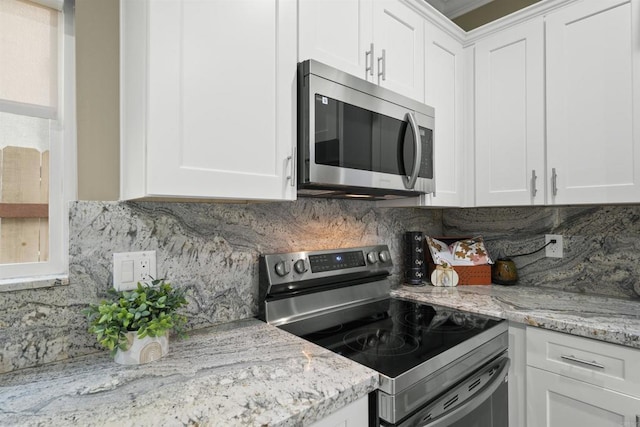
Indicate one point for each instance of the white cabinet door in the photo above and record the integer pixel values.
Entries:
(337, 33)
(444, 73)
(399, 48)
(355, 414)
(509, 145)
(557, 401)
(593, 102)
(208, 98)
(377, 40)
(517, 374)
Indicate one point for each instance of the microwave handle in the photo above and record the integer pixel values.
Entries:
(410, 181)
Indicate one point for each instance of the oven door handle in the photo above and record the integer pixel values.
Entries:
(423, 417)
(410, 181)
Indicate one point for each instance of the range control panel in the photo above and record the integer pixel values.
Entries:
(323, 266)
(336, 261)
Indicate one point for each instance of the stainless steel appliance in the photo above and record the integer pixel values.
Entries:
(356, 138)
(437, 366)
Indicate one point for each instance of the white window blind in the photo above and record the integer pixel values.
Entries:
(29, 54)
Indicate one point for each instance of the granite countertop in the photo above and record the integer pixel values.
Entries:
(241, 373)
(613, 320)
(250, 373)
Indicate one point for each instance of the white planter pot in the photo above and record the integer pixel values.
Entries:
(142, 350)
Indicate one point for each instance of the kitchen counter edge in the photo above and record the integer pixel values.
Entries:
(614, 320)
(242, 373)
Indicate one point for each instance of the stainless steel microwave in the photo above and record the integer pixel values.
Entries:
(358, 139)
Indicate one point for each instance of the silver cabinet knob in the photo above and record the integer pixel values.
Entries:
(384, 256)
(282, 268)
(372, 257)
(300, 266)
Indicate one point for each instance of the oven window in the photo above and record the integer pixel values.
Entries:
(351, 137)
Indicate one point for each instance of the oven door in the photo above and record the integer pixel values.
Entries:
(481, 400)
(354, 139)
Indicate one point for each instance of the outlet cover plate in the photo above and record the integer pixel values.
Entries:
(129, 268)
(554, 250)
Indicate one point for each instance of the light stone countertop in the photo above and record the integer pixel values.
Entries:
(613, 320)
(241, 373)
(249, 373)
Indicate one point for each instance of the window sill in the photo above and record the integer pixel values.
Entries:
(10, 285)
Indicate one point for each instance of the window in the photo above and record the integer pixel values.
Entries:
(37, 136)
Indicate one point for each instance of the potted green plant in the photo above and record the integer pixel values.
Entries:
(135, 324)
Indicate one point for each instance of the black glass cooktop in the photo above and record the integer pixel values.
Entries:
(401, 337)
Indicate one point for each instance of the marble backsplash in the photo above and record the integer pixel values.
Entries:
(601, 244)
(210, 249)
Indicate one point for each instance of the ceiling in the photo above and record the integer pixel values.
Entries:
(454, 8)
(470, 14)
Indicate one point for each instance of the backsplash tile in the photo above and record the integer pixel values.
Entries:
(211, 249)
(601, 244)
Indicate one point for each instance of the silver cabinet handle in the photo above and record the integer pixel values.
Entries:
(534, 190)
(410, 181)
(382, 70)
(368, 59)
(291, 160)
(554, 182)
(584, 362)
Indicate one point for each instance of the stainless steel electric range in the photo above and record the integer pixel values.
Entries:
(438, 366)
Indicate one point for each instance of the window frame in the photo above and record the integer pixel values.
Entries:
(63, 155)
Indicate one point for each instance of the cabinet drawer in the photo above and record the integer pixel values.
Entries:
(595, 362)
(557, 401)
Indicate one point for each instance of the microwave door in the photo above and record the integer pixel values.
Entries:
(399, 153)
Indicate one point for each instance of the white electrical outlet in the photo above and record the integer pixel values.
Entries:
(129, 268)
(554, 250)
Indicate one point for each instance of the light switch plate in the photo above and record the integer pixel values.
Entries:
(129, 268)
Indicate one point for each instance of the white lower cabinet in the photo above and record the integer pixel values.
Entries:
(575, 381)
(558, 401)
(355, 414)
(517, 374)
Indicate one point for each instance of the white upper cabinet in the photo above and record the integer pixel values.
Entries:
(509, 106)
(338, 33)
(593, 102)
(445, 67)
(399, 49)
(377, 40)
(444, 73)
(208, 99)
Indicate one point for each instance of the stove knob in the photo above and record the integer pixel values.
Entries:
(282, 268)
(372, 257)
(384, 256)
(300, 266)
